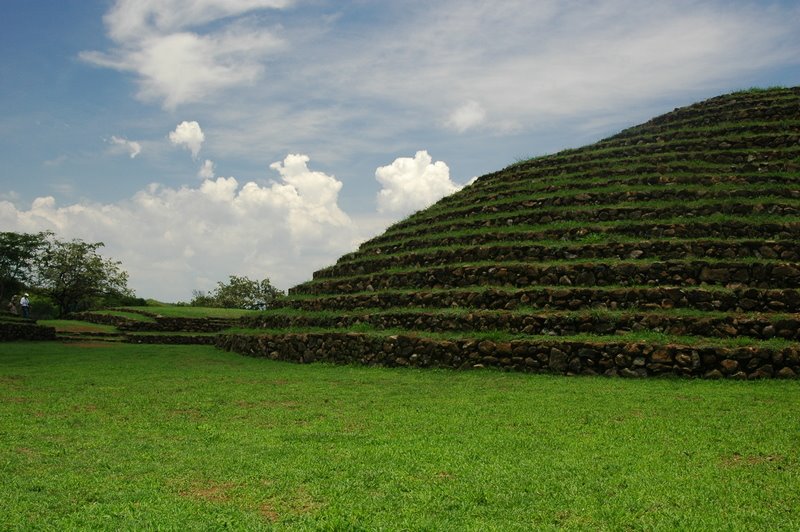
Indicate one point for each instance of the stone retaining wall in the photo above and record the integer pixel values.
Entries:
(735, 300)
(568, 358)
(762, 328)
(589, 180)
(667, 273)
(582, 199)
(161, 323)
(726, 230)
(11, 331)
(594, 215)
(662, 250)
(174, 339)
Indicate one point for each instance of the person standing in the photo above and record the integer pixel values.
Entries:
(25, 304)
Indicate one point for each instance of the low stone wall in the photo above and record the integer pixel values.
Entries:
(736, 300)
(12, 330)
(663, 250)
(595, 214)
(208, 325)
(582, 199)
(171, 339)
(161, 323)
(566, 358)
(762, 327)
(667, 273)
(727, 230)
(598, 179)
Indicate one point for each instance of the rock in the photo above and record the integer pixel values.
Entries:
(558, 360)
(768, 332)
(729, 366)
(629, 373)
(714, 275)
(661, 356)
(486, 347)
(786, 373)
(783, 271)
(586, 278)
(713, 374)
(764, 372)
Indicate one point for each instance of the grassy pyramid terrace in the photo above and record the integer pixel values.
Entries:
(672, 247)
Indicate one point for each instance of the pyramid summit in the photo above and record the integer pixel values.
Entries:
(672, 247)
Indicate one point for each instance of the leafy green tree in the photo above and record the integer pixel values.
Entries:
(76, 277)
(19, 253)
(239, 292)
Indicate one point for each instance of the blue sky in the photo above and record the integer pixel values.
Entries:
(204, 138)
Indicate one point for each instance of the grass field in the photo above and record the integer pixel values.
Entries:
(171, 437)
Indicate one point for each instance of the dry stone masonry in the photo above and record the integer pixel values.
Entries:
(672, 248)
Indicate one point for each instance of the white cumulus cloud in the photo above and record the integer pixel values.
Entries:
(413, 184)
(176, 65)
(175, 240)
(189, 135)
(132, 147)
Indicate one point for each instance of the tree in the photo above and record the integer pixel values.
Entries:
(239, 292)
(19, 253)
(76, 277)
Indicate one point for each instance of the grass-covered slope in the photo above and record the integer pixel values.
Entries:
(672, 247)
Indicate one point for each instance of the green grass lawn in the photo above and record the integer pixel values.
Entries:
(97, 436)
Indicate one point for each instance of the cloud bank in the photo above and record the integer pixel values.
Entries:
(175, 240)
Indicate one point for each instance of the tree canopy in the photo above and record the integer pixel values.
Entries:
(72, 275)
(19, 256)
(238, 292)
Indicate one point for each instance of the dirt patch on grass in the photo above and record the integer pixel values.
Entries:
(89, 345)
(27, 451)
(15, 400)
(268, 404)
(210, 492)
(14, 381)
(738, 460)
(80, 328)
(267, 511)
(301, 503)
(190, 413)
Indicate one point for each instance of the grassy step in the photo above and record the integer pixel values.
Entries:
(778, 144)
(561, 298)
(720, 135)
(600, 198)
(560, 250)
(715, 226)
(721, 160)
(761, 149)
(601, 180)
(574, 273)
(744, 207)
(528, 321)
(300, 339)
(622, 167)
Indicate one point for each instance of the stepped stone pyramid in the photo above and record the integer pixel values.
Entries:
(672, 247)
